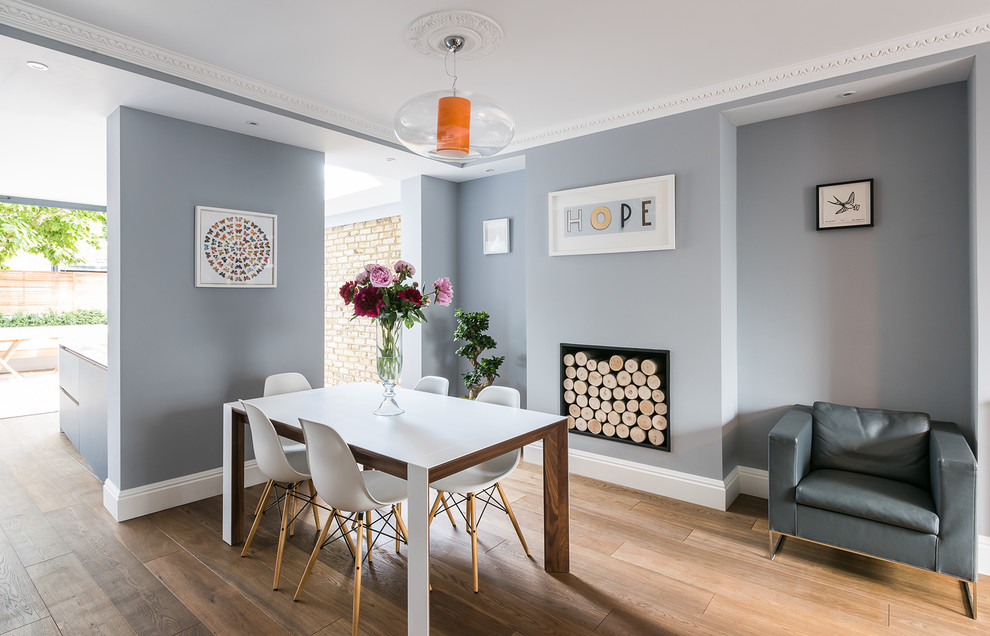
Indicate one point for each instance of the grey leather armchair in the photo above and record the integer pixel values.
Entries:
(888, 484)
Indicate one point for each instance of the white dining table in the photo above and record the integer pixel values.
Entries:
(435, 437)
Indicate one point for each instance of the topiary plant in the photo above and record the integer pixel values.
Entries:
(471, 326)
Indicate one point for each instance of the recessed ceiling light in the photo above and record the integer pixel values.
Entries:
(846, 94)
(490, 170)
(252, 123)
(38, 66)
(390, 159)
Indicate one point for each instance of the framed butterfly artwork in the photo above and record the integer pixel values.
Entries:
(235, 248)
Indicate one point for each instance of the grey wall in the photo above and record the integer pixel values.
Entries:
(177, 352)
(439, 208)
(659, 300)
(495, 283)
(875, 317)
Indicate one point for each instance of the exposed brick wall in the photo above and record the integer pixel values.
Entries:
(350, 345)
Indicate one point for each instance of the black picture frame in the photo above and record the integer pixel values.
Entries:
(844, 204)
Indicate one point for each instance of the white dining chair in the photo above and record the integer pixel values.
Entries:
(433, 384)
(482, 481)
(347, 489)
(276, 385)
(286, 383)
(285, 472)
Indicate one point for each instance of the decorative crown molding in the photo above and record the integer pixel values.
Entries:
(32, 19)
(942, 39)
(486, 35)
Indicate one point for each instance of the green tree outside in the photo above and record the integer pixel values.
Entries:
(54, 233)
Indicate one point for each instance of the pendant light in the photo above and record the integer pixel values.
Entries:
(453, 126)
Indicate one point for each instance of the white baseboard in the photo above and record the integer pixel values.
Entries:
(704, 491)
(753, 481)
(144, 500)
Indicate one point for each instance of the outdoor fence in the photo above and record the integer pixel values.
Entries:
(38, 292)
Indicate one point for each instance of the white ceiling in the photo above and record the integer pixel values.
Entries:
(563, 68)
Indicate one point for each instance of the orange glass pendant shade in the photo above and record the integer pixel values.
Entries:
(453, 126)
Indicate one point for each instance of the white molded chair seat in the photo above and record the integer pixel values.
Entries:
(433, 384)
(346, 488)
(482, 480)
(480, 477)
(283, 470)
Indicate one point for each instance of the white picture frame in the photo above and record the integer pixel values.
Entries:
(496, 236)
(235, 248)
(627, 216)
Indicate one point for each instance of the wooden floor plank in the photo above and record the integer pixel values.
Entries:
(76, 602)
(219, 606)
(20, 603)
(148, 606)
(44, 627)
(30, 534)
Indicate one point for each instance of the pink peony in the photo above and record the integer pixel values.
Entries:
(402, 267)
(445, 291)
(361, 278)
(368, 302)
(381, 276)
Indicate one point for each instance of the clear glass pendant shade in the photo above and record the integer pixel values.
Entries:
(416, 127)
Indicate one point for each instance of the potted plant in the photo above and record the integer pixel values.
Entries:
(471, 326)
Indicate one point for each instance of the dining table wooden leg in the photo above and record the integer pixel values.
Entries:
(556, 516)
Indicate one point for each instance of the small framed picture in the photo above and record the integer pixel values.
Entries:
(497, 236)
(845, 204)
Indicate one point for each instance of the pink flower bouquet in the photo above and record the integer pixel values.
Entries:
(385, 294)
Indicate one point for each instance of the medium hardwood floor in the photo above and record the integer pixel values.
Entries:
(640, 564)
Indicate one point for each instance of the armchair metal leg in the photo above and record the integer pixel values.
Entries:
(970, 588)
(775, 540)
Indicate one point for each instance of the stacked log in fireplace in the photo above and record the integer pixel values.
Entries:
(617, 393)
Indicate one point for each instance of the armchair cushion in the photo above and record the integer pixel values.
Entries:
(875, 498)
(888, 444)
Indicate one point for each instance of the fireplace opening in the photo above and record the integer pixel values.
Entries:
(617, 393)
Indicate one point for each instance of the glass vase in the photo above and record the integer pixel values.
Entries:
(389, 364)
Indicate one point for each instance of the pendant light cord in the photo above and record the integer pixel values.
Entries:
(453, 85)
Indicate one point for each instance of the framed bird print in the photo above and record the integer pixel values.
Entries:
(845, 204)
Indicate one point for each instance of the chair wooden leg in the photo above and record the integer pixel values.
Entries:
(368, 531)
(402, 525)
(357, 575)
(450, 515)
(260, 509)
(281, 535)
(433, 510)
(292, 515)
(397, 511)
(312, 503)
(970, 588)
(312, 559)
(257, 519)
(342, 524)
(512, 517)
(473, 529)
(775, 539)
